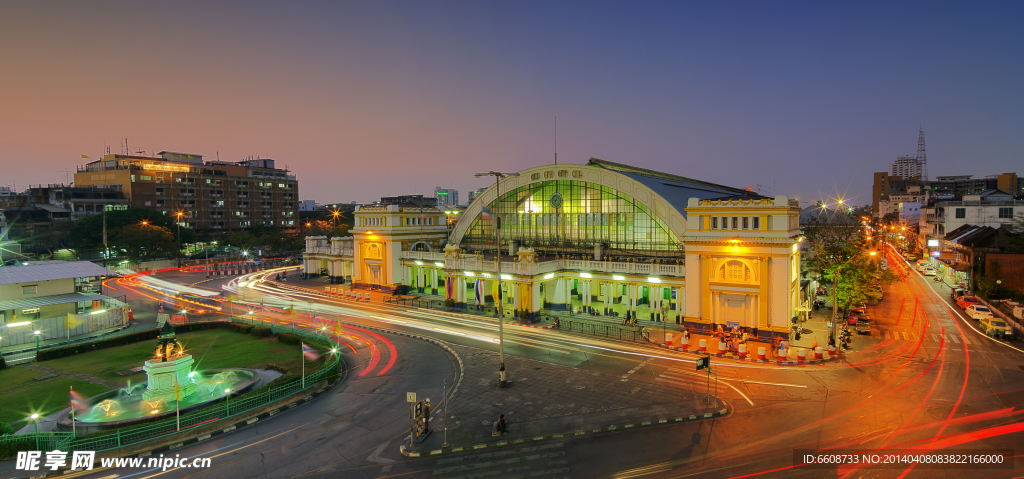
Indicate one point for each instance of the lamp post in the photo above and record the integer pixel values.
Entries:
(36, 333)
(227, 397)
(502, 380)
(35, 422)
(179, 214)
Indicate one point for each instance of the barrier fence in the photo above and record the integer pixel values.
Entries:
(221, 411)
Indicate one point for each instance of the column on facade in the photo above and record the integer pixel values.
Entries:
(586, 295)
(557, 300)
(433, 280)
(420, 279)
(679, 304)
(514, 291)
(655, 302)
(534, 299)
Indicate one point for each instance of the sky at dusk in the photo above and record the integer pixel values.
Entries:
(376, 98)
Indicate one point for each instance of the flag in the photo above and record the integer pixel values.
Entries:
(77, 400)
(486, 214)
(448, 289)
(337, 329)
(496, 292)
(478, 290)
(310, 353)
(85, 156)
(177, 389)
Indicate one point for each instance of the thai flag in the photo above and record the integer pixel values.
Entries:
(486, 214)
(77, 400)
(478, 288)
(310, 353)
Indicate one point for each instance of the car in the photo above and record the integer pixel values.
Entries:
(956, 293)
(965, 301)
(977, 311)
(863, 324)
(996, 327)
(928, 272)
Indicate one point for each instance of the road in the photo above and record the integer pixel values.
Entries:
(926, 377)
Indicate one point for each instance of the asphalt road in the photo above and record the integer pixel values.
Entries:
(926, 378)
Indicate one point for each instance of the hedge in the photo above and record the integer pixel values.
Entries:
(3, 363)
(147, 335)
(289, 338)
(261, 332)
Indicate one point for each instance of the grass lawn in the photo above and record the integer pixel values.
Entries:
(14, 376)
(218, 348)
(44, 398)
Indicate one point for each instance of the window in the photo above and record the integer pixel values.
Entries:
(735, 223)
(725, 223)
(133, 178)
(28, 289)
(746, 222)
(159, 203)
(146, 177)
(757, 223)
(1006, 212)
(961, 212)
(714, 222)
(147, 203)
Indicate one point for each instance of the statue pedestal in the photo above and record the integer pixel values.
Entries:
(162, 375)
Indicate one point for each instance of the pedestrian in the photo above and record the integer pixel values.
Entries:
(776, 348)
(686, 334)
(500, 426)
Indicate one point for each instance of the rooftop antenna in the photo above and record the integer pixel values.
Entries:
(922, 158)
(556, 140)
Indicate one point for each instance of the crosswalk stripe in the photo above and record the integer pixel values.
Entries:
(905, 336)
(935, 337)
(967, 341)
(887, 335)
(952, 337)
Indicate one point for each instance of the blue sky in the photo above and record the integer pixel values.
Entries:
(369, 99)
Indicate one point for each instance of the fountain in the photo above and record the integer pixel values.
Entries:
(170, 377)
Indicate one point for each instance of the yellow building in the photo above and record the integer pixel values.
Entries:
(600, 237)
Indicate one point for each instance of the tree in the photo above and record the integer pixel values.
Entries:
(87, 234)
(143, 242)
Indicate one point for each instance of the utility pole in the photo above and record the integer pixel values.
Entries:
(106, 250)
(496, 220)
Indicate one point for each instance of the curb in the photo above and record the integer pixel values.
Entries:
(480, 318)
(513, 442)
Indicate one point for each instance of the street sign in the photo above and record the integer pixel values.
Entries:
(703, 362)
(410, 397)
(419, 409)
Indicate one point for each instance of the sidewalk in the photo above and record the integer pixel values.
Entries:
(543, 401)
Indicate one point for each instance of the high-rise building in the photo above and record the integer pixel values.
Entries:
(477, 192)
(446, 197)
(209, 197)
(906, 167)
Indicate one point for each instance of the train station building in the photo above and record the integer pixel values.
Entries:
(603, 237)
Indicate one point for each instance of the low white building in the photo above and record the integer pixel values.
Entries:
(992, 208)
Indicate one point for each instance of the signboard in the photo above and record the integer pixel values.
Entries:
(936, 254)
(703, 362)
(410, 397)
(933, 243)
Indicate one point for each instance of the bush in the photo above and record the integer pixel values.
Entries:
(449, 303)
(289, 338)
(3, 363)
(261, 332)
(147, 335)
(6, 429)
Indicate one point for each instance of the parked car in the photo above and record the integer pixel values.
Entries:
(977, 311)
(863, 324)
(965, 301)
(996, 327)
(956, 293)
(929, 272)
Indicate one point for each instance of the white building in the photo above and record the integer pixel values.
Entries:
(993, 208)
(307, 205)
(906, 167)
(446, 197)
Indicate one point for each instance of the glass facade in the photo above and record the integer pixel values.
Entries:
(570, 217)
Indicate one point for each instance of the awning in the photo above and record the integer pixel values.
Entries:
(27, 303)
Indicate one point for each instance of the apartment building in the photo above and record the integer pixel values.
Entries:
(209, 196)
(992, 208)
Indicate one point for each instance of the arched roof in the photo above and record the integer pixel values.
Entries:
(663, 194)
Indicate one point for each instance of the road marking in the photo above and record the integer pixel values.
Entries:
(449, 332)
(967, 340)
(887, 336)
(935, 337)
(952, 337)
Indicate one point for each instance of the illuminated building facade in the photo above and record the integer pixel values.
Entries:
(600, 237)
(213, 196)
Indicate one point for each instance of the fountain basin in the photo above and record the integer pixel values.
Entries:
(113, 409)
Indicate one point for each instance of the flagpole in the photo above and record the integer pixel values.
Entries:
(72, 411)
(302, 358)
(177, 412)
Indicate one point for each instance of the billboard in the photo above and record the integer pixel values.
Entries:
(933, 243)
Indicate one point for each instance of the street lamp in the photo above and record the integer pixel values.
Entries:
(36, 333)
(227, 397)
(502, 380)
(179, 214)
(35, 422)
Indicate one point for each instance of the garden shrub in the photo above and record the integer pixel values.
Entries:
(261, 332)
(289, 338)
